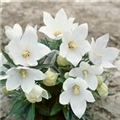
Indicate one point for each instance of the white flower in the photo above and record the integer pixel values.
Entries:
(26, 51)
(76, 93)
(118, 65)
(55, 28)
(100, 55)
(15, 32)
(36, 94)
(24, 77)
(88, 73)
(74, 44)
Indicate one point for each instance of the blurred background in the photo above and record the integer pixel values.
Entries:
(102, 16)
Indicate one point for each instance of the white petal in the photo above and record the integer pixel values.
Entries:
(48, 19)
(73, 54)
(37, 74)
(9, 32)
(110, 54)
(88, 96)
(102, 41)
(80, 33)
(30, 35)
(68, 83)
(76, 72)
(45, 94)
(49, 32)
(98, 70)
(65, 97)
(61, 16)
(66, 38)
(107, 64)
(13, 82)
(63, 50)
(78, 106)
(84, 66)
(17, 31)
(3, 77)
(92, 81)
(27, 84)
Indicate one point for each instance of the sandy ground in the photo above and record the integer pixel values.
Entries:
(101, 17)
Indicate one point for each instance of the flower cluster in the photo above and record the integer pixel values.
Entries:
(65, 66)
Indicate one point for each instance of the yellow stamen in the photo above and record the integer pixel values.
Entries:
(57, 32)
(26, 54)
(76, 89)
(72, 45)
(23, 73)
(85, 72)
(98, 54)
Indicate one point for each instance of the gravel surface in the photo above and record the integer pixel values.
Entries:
(102, 18)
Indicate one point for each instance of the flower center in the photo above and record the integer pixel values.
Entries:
(85, 73)
(23, 73)
(76, 89)
(57, 32)
(72, 45)
(26, 54)
(98, 54)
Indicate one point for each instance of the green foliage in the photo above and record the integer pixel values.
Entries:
(55, 44)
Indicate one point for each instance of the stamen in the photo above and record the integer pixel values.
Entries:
(23, 73)
(98, 54)
(85, 72)
(26, 54)
(57, 32)
(76, 89)
(72, 45)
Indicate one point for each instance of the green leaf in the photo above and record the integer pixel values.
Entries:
(56, 108)
(6, 66)
(43, 110)
(66, 113)
(55, 44)
(111, 94)
(31, 112)
(43, 66)
(2, 83)
(45, 42)
(7, 57)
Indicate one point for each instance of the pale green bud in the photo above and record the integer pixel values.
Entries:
(5, 91)
(66, 75)
(62, 61)
(103, 90)
(100, 80)
(51, 78)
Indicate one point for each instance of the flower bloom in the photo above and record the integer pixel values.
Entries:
(55, 28)
(36, 94)
(24, 77)
(74, 44)
(88, 73)
(26, 51)
(76, 93)
(100, 55)
(15, 32)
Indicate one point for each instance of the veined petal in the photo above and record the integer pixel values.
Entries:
(63, 50)
(68, 83)
(49, 32)
(78, 106)
(76, 72)
(92, 81)
(37, 75)
(110, 54)
(73, 54)
(65, 97)
(61, 16)
(80, 33)
(13, 82)
(48, 20)
(17, 31)
(102, 41)
(88, 96)
(107, 64)
(9, 32)
(27, 84)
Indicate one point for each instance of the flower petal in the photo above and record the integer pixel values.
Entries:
(45, 94)
(92, 81)
(13, 82)
(65, 97)
(88, 96)
(107, 64)
(78, 106)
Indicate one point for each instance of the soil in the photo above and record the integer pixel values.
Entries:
(102, 18)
